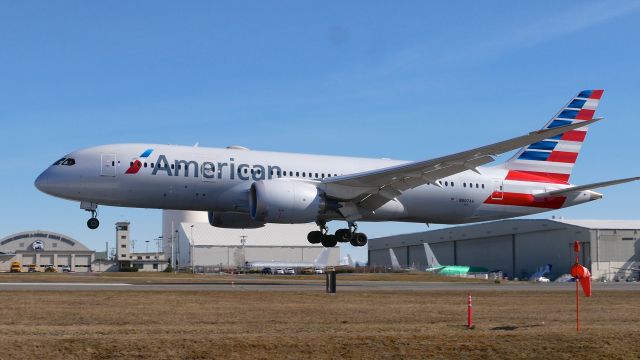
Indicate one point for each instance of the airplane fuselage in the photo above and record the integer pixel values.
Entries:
(219, 179)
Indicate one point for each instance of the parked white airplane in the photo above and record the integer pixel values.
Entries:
(320, 262)
(246, 189)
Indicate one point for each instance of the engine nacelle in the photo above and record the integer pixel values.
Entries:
(285, 202)
(231, 220)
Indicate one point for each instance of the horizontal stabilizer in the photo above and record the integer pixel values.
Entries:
(587, 187)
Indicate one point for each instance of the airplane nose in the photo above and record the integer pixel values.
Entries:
(41, 182)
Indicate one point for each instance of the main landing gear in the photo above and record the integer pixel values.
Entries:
(93, 222)
(349, 235)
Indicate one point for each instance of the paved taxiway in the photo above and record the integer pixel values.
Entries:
(297, 285)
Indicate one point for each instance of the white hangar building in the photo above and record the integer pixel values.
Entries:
(44, 248)
(207, 247)
(609, 248)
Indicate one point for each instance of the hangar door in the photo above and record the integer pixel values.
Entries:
(82, 263)
(494, 253)
(46, 260)
(64, 260)
(28, 260)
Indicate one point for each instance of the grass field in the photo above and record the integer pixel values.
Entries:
(309, 325)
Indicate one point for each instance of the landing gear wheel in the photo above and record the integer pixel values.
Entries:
(315, 237)
(359, 239)
(329, 241)
(93, 223)
(343, 235)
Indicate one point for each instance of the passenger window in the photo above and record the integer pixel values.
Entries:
(483, 186)
(464, 185)
(452, 184)
(131, 164)
(172, 166)
(113, 163)
(476, 185)
(323, 175)
(446, 183)
(297, 173)
(145, 164)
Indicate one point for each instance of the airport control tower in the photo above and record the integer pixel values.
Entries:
(123, 241)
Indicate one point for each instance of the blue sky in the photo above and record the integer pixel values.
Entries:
(409, 80)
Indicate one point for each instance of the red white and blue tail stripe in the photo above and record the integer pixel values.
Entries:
(552, 160)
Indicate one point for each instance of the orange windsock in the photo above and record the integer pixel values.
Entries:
(582, 274)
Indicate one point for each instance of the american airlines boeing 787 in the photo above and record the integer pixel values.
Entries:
(247, 189)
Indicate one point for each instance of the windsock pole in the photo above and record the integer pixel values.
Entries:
(576, 248)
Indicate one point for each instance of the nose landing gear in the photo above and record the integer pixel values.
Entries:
(93, 222)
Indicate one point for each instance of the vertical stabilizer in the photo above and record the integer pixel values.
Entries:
(350, 262)
(552, 160)
(431, 257)
(395, 265)
(323, 258)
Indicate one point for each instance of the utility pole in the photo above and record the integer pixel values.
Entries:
(158, 240)
(177, 251)
(191, 242)
(243, 240)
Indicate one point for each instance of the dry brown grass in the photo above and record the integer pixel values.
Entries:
(294, 325)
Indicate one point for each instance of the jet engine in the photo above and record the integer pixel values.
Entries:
(231, 220)
(285, 201)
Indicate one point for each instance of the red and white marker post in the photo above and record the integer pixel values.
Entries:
(583, 276)
(469, 312)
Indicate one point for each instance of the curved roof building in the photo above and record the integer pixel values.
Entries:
(45, 248)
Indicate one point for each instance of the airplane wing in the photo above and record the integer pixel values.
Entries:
(371, 189)
(628, 269)
(587, 187)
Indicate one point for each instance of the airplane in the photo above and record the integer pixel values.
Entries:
(347, 262)
(395, 264)
(541, 272)
(320, 262)
(241, 188)
(450, 270)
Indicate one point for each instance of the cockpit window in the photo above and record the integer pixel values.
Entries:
(65, 161)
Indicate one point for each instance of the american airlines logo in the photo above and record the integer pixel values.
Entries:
(137, 164)
(207, 170)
